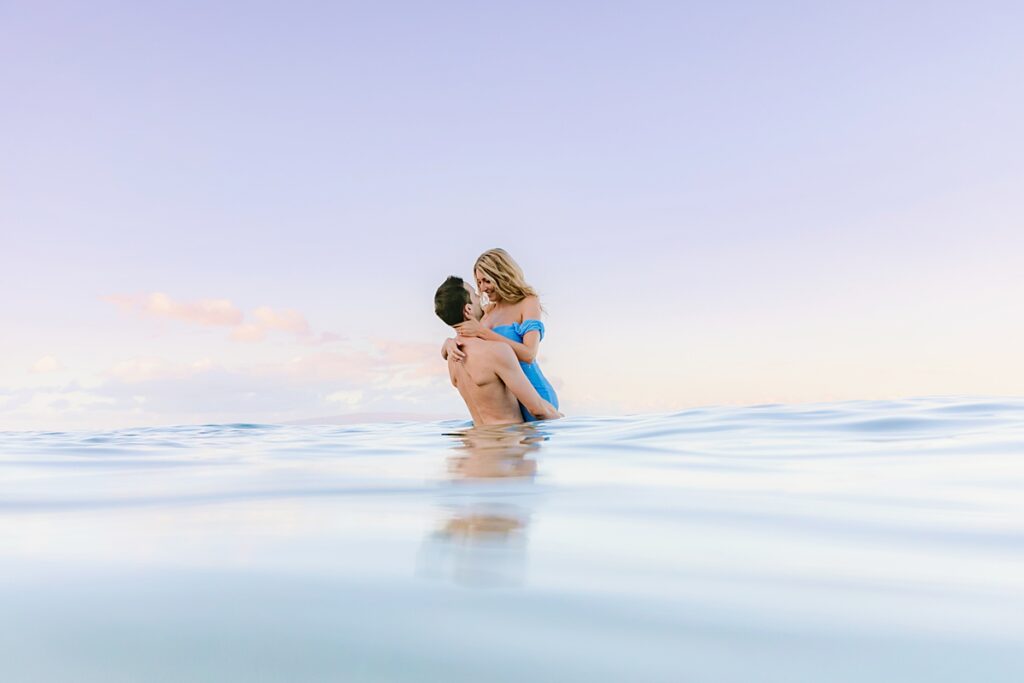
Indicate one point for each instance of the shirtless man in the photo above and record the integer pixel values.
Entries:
(490, 380)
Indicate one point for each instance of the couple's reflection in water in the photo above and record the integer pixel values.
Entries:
(481, 536)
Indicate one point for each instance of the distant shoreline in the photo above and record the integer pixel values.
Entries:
(369, 418)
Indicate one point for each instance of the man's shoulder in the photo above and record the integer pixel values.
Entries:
(493, 348)
(501, 354)
(453, 370)
(491, 355)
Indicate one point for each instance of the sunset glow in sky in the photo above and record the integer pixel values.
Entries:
(240, 212)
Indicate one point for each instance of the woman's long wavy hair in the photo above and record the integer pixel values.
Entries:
(506, 275)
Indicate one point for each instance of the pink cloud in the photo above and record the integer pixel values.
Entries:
(248, 332)
(323, 338)
(221, 312)
(412, 363)
(210, 312)
(407, 353)
(267, 319)
(382, 363)
(305, 370)
(285, 320)
(46, 364)
(348, 365)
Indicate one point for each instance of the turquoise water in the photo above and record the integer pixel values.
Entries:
(864, 541)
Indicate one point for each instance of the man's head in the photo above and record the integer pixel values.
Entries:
(456, 302)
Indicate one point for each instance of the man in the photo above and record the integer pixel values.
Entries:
(490, 379)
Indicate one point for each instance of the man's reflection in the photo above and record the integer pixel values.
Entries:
(494, 452)
(482, 539)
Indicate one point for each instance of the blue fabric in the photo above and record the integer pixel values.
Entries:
(516, 332)
(527, 326)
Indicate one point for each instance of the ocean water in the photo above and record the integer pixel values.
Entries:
(856, 541)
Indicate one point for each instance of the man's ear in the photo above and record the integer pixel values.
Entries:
(467, 312)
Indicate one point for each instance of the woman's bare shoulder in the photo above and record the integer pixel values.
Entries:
(529, 308)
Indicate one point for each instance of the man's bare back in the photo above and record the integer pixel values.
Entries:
(490, 379)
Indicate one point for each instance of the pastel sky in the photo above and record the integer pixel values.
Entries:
(239, 211)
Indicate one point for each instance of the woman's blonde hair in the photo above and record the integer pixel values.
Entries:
(506, 275)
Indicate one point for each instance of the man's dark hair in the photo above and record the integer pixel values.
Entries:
(451, 299)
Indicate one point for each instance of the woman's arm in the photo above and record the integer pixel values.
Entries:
(451, 346)
(512, 376)
(526, 352)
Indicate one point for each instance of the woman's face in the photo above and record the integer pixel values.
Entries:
(485, 285)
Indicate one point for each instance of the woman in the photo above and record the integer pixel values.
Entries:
(511, 316)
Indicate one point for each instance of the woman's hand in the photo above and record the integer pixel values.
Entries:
(473, 328)
(453, 350)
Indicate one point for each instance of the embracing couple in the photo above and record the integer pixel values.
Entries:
(492, 360)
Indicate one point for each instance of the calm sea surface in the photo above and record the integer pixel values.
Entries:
(863, 541)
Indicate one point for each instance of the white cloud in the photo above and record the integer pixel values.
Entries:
(46, 364)
(380, 377)
(51, 402)
(137, 370)
(349, 398)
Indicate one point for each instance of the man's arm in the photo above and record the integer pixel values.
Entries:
(507, 368)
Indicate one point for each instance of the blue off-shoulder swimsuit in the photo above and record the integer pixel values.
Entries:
(516, 332)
